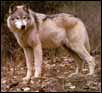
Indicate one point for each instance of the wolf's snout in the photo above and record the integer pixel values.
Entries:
(23, 27)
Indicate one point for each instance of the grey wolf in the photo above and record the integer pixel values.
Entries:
(35, 31)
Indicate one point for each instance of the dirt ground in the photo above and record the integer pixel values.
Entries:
(55, 72)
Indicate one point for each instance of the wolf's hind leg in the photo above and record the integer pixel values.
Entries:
(78, 61)
(85, 56)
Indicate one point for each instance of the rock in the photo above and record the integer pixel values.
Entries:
(72, 87)
(26, 89)
(14, 77)
(84, 70)
(3, 81)
(53, 65)
(22, 68)
(11, 69)
(18, 89)
(36, 91)
(93, 87)
(7, 86)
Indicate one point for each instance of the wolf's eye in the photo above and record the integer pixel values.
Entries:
(12, 19)
(24, 17)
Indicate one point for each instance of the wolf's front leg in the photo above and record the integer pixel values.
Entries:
(28, 57)
(38, 60)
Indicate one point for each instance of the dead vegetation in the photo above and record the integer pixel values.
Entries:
(57, 65)
(54, 76)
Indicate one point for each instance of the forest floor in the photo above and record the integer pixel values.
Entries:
(55, 72)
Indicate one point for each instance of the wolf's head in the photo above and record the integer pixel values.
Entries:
(20, 17)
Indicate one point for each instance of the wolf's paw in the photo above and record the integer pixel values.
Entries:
(37, 75)
(90, 74)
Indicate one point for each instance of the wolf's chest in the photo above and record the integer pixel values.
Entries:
(23, 41)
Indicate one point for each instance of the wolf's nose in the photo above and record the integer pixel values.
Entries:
(23, 27)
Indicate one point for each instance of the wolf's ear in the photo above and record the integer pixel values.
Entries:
(12, 8)
(26, 7)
